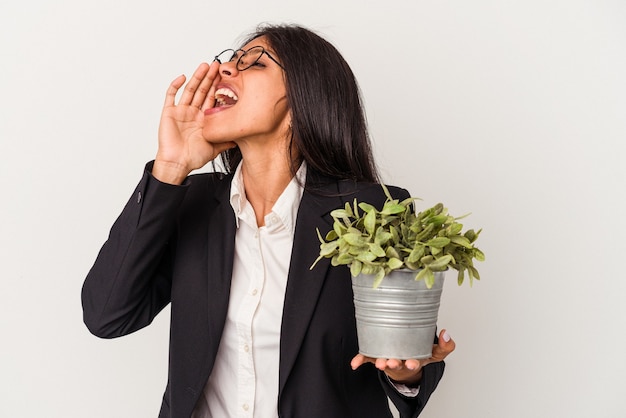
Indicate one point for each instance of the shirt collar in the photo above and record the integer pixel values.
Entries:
(284, 211)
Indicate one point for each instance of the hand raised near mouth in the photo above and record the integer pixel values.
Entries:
(182, 147)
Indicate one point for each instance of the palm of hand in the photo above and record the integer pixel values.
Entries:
(180, 136)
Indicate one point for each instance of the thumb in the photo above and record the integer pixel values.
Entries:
(446, 342)
(223, 146)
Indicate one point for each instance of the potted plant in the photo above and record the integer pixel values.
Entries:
(397, 259)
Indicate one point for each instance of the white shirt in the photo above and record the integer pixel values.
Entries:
(244, 381)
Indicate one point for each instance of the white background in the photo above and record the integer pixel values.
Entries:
(512, 110)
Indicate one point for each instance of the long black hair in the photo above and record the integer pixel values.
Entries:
(328, 126)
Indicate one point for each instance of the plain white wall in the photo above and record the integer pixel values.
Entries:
(512, 110)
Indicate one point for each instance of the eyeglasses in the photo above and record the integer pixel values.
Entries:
(245, 59)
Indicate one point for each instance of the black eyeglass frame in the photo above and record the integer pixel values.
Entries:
(237, 64)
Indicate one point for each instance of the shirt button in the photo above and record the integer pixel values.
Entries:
(254, 292)
(245, 406)
(246, 348)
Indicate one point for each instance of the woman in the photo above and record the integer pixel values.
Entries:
(254, 332)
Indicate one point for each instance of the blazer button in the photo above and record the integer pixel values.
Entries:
(139, 197)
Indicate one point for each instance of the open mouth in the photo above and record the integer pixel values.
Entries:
(225, 97)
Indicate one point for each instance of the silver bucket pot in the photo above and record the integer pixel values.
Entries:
(398, 319)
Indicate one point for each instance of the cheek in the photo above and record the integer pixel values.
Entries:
(281, 107)
(268, 110)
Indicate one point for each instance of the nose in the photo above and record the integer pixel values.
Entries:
(228, 68)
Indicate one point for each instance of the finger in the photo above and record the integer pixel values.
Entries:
(223, 147)
(410, 364)
(445, 346)
(395, 364)
(359, 360)
(201, 94)
(413, 364)
(193, 84)
(446, 343)
(209, 101)
(381, 363)
(170, 95)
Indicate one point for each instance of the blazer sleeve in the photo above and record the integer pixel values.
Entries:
(130, 281)
(411, 407)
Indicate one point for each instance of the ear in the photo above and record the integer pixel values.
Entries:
(288, 123)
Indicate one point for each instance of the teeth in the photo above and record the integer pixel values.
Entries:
(224, 96)
(225, 92)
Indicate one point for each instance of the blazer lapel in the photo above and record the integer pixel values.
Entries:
(303, 284)
(221, 252)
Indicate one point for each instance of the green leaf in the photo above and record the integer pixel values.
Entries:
(454, 229)
(411, 266)
(409, 200)
(368, 269)
(376, 249)
(348, 210)
(460, 240)
(366, 207)
(429, 279)
(463, 216)
(438, 242)
(479, 255)
(438, 220)
(344, 259)
(391, 252)
(319, 235)
(354, 239)
(426, 232)
(382, 236)
(394, 263)
(356, 249)
(416, 254)
(386, 190)
(473, 272)
(395, 237)
(426, 275)
(315, 262)
(404, 231)
(328, 248)
(339, 214)
(355, 268)
(380, 274)
(366, 257)
(440, 263)
(461, 276)
(370, 222)
(338, 229)
(391, 208)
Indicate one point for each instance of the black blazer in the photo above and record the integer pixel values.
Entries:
(175, 244)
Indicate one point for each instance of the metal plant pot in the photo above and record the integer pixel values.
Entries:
(398, 319)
